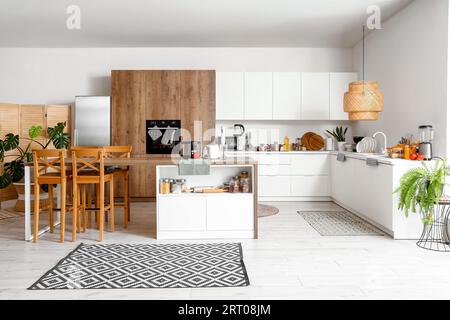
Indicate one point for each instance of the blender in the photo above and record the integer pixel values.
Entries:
(426, 139)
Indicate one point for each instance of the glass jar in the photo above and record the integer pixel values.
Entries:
(234, 184)
(244, 175)
(177, 186)
(164, 186)
(245, 185)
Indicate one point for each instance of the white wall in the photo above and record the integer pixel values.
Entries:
(57, 75)
(271, 131)
(409, 59)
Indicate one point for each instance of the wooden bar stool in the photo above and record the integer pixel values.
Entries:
(88, 168)
(124, 172)
(50, 169)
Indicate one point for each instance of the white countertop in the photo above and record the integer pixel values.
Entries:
(354, 155)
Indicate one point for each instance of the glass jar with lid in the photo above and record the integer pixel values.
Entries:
(244, 185)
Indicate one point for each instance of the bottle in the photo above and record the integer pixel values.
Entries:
(406, 152)
(286, 143)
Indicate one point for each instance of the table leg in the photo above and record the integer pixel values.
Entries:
(58, 203)
(28, 236)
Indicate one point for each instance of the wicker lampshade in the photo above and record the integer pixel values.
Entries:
(363, 101)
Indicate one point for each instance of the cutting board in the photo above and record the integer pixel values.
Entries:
(312, 141)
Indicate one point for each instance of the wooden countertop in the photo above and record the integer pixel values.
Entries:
(159, 160)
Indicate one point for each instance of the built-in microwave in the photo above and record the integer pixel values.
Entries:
(162, 136)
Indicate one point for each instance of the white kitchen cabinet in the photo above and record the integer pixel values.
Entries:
(368, 191)
(339, 82)
(274, 170)
(315, 96)
(235, 214)
(287, 99)
(182, 213)
(229, 95)
(258, 100)
(311, 164)
(274, 186)
(310, 186)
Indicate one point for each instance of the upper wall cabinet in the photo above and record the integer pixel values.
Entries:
(287, 97)
(258, 96)
(281, 95)
(315, 96)
(338, 87)
(229, 95)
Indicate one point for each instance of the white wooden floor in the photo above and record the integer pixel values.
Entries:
(289, 261)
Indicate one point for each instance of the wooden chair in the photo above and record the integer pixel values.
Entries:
(88, 168)
(50, 169)
(124, 172)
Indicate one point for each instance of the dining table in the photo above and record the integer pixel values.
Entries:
(121, 162)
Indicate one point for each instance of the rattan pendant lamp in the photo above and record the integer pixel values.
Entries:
(364, 99)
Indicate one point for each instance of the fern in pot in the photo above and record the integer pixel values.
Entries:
(421, 188)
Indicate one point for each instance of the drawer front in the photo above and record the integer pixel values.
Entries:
(274, 186)
(310, 164)
(310, 186)
(274, 159)
(274, 170)
(182, 213)
(230, 213)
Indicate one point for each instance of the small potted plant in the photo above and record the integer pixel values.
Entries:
(421, 189)
(339, 134)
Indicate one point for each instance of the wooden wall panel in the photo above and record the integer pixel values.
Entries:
(162, 95)
(128, 124)
(198, 108)
(139, 95)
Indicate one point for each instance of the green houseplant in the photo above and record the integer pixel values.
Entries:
(13, 171)
(339, 134)
(421, 188)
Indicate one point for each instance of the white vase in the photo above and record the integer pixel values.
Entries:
(341, 145)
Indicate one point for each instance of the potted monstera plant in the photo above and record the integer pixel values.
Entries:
(12, 172)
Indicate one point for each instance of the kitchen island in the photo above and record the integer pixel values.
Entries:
(208, 215)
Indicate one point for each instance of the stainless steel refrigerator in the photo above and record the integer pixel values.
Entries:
(92, 121)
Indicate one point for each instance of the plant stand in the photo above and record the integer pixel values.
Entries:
(435, 236)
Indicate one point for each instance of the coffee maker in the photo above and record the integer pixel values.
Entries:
(426, 134)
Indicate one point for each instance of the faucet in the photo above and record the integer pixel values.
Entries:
(384, 150)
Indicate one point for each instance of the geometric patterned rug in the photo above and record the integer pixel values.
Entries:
(121, 266)
(339, 223)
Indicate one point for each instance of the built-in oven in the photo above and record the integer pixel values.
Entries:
(162, 136)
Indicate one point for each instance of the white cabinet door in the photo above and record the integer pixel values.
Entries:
(258, 96)
(287, 98)
(229, 95)
(274, 186)
(310, 164)
(182, 213)
(315, 96)
(226, 214)
(338, 86)
(310, 186)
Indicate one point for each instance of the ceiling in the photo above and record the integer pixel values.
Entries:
(189, 23)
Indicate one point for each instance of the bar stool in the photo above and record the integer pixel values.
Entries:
(124, 172)
(53, 161)
(88, 168)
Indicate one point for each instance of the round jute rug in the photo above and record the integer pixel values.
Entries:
(265, 210)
